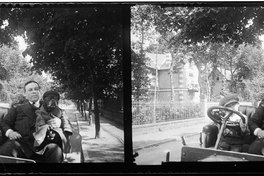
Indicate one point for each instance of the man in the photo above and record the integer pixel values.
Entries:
(256, 126)
(19, 126)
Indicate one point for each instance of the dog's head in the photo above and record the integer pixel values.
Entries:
(50, 100)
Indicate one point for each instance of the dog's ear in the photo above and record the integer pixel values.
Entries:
(41, 102)
(57, 112)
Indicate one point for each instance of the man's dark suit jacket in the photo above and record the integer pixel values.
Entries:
(22, 119)
(257, 120)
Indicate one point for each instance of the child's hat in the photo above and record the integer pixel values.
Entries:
(228, 100)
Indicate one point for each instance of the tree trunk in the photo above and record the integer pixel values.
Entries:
(81, 104)
(84, 109)
(78, 105)
(172, 83)
(96, 117)
(89, 110)
(155, 92)
(202, 94)
(94, 95)
(171, 78)
(208, 91)
(213, 83)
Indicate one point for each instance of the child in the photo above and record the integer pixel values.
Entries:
(236, 132)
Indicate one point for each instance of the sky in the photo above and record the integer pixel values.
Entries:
(262, 39)
(22, 46)
(21, 43)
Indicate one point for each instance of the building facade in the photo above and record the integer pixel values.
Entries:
(183, 82)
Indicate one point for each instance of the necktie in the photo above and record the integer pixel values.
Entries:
(34, 106)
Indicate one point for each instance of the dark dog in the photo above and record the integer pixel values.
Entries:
(51, 101)
(50, 104)
(49, 109)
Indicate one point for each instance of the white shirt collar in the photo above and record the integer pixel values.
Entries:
(36, 103)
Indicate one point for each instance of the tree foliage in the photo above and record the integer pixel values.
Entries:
(232, 24)
(212, 36)
(139, 81)
(141, 27)
(250, 73)
(18, 71)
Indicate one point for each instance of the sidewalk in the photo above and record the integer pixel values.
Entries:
(185, 129)
(108, 148)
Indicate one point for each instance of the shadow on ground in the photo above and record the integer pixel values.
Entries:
(104, 149)
(105, 153)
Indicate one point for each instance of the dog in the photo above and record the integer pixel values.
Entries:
(49, 109)
(51, 102)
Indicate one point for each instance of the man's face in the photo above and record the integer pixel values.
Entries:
(32, 92)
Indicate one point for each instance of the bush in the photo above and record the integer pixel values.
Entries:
(141, 116)
(143, 112)
(4, 97)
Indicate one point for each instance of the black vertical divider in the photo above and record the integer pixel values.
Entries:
(128, 147)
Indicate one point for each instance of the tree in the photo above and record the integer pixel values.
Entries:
(146, 16)
(18, 71)
(139, 81)
(250, 72)
(210, 27)
(141, 25)
(80, 47)
(6, 33)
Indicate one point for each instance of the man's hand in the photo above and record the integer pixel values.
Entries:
(260, 134)
(13, 135)
(54, 123)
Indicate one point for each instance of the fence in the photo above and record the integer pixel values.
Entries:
(145, 112)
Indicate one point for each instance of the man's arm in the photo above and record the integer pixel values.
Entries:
(7, 123)
(255, 122)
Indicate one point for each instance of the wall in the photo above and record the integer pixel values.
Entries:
(164, 95)
(164, 79)
(188, 74)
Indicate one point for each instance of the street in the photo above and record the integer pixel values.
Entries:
(154, 155)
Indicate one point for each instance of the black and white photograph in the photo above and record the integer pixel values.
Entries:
(197, 90)
(61, 83)
(137, 87)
